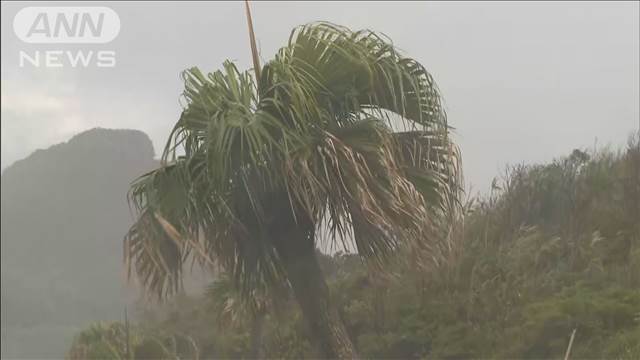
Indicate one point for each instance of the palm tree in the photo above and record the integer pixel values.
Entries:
(339, 133)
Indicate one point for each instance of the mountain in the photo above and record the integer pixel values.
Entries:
(63, 216)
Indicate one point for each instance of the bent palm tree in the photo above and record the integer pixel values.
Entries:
(339, 133)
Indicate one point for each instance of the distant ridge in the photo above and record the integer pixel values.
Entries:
(64, 213)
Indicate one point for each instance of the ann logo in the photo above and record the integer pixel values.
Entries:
(66, 25)
(77, 26)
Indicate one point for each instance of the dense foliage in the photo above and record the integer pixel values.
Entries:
(552, 249)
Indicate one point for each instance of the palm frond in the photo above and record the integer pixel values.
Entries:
(317, 140)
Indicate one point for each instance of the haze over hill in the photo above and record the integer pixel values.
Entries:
(64, 213)
(522, 81)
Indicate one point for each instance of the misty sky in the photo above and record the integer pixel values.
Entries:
(523, 82)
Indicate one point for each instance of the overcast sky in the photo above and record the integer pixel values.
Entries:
(523, 82)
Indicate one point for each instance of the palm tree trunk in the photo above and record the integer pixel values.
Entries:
(257, 332)
(297, 250)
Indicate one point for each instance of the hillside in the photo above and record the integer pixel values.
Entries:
(554, 248)
(64, 212)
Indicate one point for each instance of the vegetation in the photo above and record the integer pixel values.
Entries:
(118, 341)
(552, 249)
(339, 133)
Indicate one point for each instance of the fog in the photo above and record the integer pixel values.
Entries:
(523, 82)
(538, 79)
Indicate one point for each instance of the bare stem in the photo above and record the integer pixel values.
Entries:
(252, 40)
(573, 335)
